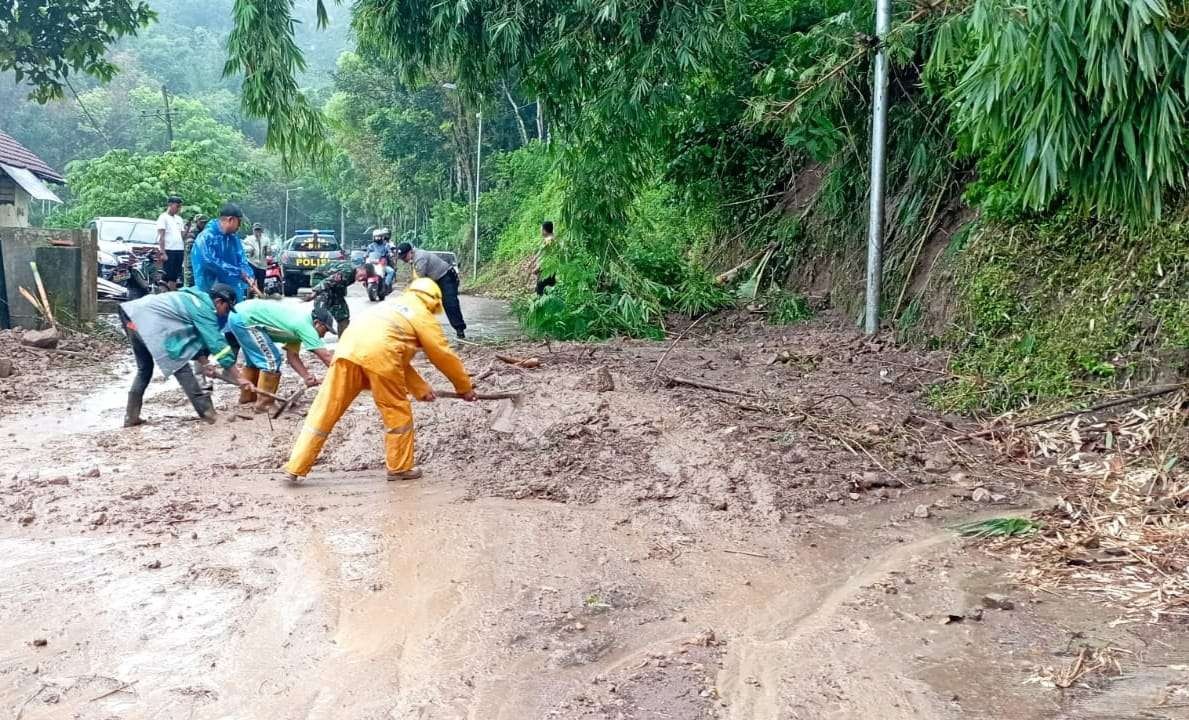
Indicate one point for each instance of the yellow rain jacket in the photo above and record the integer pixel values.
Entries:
(376, 352)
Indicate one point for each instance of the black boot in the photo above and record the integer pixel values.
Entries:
(199, 398)
(132, 413)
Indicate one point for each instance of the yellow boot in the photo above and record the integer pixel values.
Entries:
(248, 396)
(270, 383)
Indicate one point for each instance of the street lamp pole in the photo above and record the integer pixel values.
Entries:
(285, 230)
(478, 166)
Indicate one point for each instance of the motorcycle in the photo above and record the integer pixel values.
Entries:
(274, 278)
(378, 285)
(140, 274)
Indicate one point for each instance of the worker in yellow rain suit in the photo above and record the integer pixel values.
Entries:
(376, 352)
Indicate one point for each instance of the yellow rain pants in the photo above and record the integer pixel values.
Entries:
(344, 381)
(377, 352)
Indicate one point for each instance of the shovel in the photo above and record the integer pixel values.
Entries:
(285, 403)
(505, 412)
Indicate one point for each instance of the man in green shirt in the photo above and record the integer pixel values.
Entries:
(259, 325)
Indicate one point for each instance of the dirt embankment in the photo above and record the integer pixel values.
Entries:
(774, 548)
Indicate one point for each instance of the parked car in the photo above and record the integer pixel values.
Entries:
(118, 237)
(304, 254)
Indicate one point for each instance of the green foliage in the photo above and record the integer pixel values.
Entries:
(262, 47)
(788, 309)
(123, 183)
(42, 42)
(1056, 309)
(1064, 100)
(997, 528)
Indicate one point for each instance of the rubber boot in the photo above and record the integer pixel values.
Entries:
(413, 473)
(269, 382)
(199, 397)
(247, 396)
(132, 413)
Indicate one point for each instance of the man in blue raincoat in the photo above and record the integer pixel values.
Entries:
(218, 254)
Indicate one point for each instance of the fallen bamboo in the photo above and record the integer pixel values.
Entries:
(730, 275)
(32, 301)
(49, 311)
(526, 363)
(1072, 413)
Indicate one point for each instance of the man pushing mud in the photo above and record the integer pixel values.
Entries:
(171, 329)
(377, 353)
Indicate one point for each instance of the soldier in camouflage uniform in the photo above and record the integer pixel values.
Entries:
(197, 225)
(331, 293)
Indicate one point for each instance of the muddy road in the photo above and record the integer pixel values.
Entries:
(655, 550)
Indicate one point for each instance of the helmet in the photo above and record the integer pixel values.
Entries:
(257, 226)
(379, 233)
(429, 293)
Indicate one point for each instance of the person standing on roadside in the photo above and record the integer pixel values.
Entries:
(426, 264)
(171, 240)
(218, 254)
(546, 243)
(197, 225)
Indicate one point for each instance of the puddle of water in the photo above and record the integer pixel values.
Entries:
(100, 409)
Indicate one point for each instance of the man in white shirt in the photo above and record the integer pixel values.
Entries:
(171, 240)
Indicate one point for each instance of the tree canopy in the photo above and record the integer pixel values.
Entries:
(44, 41)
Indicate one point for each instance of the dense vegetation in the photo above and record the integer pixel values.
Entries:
(1037, 161)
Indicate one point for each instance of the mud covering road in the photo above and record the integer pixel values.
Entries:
(648, 551)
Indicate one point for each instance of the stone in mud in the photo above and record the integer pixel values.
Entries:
(994, 601)
(46, 339)
(99, 519)
(40, 642)
(599, 380)
(938, 463)
(922, 511)
(92, 472)
(5, 367)
(27, 519)
(981, 495)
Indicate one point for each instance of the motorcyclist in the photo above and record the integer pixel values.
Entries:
(381, 249)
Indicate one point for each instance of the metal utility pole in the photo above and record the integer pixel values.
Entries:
(879, 125)
(478, 165)
(342, 225)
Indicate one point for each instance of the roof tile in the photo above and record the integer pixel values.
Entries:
(17, 155)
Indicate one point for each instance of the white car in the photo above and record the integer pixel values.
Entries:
(118, 236)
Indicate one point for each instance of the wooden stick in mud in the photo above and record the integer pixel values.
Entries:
(673, 381)
(1073, 413)
(505, 395)
(527, 363)
(676, 340)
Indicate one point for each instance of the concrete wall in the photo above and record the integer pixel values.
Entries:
(14, 214)
(66, 260)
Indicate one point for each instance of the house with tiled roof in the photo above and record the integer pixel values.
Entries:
(23, 178)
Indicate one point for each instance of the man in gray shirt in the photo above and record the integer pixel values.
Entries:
(426, 264)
